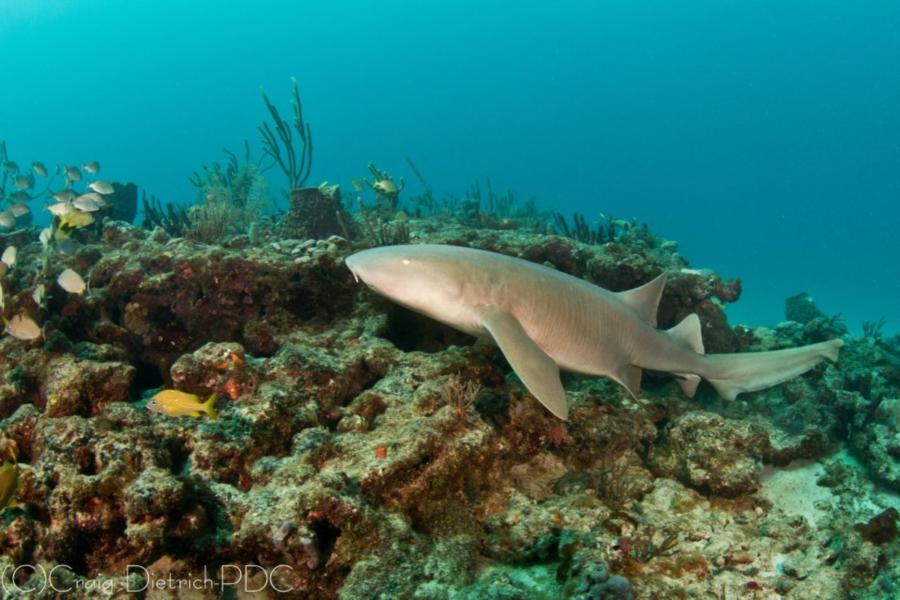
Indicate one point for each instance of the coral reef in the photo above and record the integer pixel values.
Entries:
(124, 202)
(278, 144)
(232, 200)
(711, 454)
(174, 220)
(801, 309)
(362, 451)
(317, 213)
(239, 183)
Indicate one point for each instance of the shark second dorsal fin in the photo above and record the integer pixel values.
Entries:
(533, 366)
(644, 300)
(689, 333)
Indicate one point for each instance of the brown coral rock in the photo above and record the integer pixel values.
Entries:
(84, 387)
(711, 453)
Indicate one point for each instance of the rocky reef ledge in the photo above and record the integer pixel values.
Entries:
(364, 452)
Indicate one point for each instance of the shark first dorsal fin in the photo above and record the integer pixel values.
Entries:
(533, 366)
(644, 300)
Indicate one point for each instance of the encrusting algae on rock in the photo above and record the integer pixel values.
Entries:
(9, 479)
(344, 449)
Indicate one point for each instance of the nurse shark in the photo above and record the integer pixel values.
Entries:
(544, 320)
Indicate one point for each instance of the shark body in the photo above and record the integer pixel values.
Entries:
(544, 320)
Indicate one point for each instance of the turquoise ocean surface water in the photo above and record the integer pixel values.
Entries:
(764, 137)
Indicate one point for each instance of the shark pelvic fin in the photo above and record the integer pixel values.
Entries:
(644, 300)
(688, 383)
(629, 376)
(533, 366)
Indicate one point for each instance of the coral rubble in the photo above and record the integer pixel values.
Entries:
(362, 451)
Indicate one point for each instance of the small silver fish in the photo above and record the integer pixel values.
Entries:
(60, 208)
(39, 169)
(7, 220)
(92, 167)
(23, 327)
(9, 256)
(38, 294)
(73, 174)
(71, 281)
(86, 204)
(64, 195)
(20, 196)
(11, 167)
(94, 196)
(67, 246)
(102, 187)
(45, 236)
(90, 202)
(24, 182)
(19, 210)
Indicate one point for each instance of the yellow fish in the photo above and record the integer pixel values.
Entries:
(181, 404)
(9, 482)
(71, 221)
(386, 187)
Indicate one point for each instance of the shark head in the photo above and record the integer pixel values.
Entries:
(415, 276)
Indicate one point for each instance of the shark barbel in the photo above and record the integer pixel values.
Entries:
(545, 320)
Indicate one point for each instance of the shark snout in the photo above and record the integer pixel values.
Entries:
(350, 261)
(384, 269)
(368, 266)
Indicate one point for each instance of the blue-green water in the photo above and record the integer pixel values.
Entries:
(764, 137)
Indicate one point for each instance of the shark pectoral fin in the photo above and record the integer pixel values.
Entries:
(644, 300)
(629, 376)
(533, 366)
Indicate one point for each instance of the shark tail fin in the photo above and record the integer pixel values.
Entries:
(732, 374)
